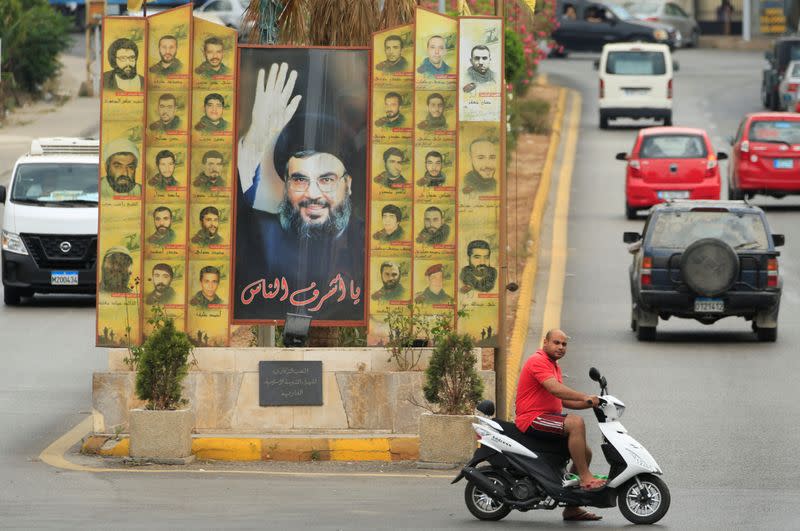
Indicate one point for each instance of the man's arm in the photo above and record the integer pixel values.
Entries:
(570, 398)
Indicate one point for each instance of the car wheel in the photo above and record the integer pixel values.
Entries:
(630, 212)
(695, 41)
(668, 120)
(646, 333)
(603, 121)
(11, 296)
(773, 101)
(633, 319)
(709, 267)
(767, 335)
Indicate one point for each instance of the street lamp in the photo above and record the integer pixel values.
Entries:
(295, 329)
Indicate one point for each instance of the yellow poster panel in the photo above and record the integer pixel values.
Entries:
(208, 306)
(480, 158)
(435, 168)
(393, 50)
(169, 49)
(121, 165)
(167, 118)
(210, 229)
(166, 174)
(123, 67)
(165, 229)
(392, 114)
(481, 74)
(392, 170)
(212, 173)
(164, 286)
(391, 228)
(212, 117)
(436, 56)
(434, 286)
(119, 279)
(214, 55)
(434, 226)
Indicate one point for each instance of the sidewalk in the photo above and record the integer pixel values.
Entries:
(735, 42)
(76, 117)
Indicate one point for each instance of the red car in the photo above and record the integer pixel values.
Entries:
(766, 156)
(670, 163)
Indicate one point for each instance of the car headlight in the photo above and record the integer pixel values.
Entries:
(13, 243)
(660, 35)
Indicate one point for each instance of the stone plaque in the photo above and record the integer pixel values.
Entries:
(289, 383)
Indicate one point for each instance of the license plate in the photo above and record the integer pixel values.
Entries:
(783, 164)
(673, 194)
(706, 305)
(635, 91)
(64, 278)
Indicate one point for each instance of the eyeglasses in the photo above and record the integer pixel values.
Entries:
(325, 183)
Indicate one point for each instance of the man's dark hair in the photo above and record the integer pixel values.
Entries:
(212, 154)
(478, 244)
(434, 96)
(208, 210)
(393, 38)
(121, 44)
(393, 151)
(168, 37)
(480, 47)
(165, 268)
(214, 96)
(209, 269)
(434, 209)
(164, 154)
(395, 95)
(212, 40)
(162, 208)
(165, 97)
(394, 210)
(384, 265)
(435, 154)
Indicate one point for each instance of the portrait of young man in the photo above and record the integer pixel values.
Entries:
(483, 154)
(212, 119)
(435, 120)
(434, 292)
(116, 270)
(167, 119)
(211, 176)
(392, 288)
(209, 228)
(392, 174)
(480, 71)
(168, 62)
(122, 159)
(122, 56)
(434, 64)
(302, 181)
(165, 162)
(435, 230)
(392, 116)
(209, 284)
(213, 51)
(478, 275)
(162, 221)
(395, 62)
(392, 231)
(434, 176)
(163, 292)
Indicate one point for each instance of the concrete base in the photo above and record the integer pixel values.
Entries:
(141, 461)
(161, 434)
(446, 439)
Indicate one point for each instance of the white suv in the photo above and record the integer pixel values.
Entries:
(50, 220)
(635, 82)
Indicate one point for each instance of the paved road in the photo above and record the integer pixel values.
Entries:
(716, 408)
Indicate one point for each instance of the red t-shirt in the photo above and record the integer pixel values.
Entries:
(532, 398)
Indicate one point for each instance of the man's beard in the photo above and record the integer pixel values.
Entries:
(118, 187)
(480, 270)
(161, 288)
(116, 280)
(162, 230)
(337, 221)
(391, 284)
(210, 232)
(390, 116)
(120, 73)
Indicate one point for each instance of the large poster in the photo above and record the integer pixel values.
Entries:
(302, 187)
(119, 274)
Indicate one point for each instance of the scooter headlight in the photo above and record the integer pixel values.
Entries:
(620, 409)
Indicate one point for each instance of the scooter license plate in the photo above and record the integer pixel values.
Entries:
(707, 305)
(64, 278)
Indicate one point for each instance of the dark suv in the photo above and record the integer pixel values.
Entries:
(784, 50)
(705, 260)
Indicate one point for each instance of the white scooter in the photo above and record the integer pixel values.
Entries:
(525, 473)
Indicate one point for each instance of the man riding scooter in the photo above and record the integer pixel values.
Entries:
(541, 397)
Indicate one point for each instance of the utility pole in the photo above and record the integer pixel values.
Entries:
(499, 8)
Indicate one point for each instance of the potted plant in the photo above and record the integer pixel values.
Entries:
(162, 430)
(452, 387)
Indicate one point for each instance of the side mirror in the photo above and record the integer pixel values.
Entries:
(2, 194)
(675, 66)
(631, 237)
(721, 155)
(486, 407)
(621, 156)
(596, 64)
(594, 374)
(778, 240)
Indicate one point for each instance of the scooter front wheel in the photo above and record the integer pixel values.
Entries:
(480, 504)
(644, 501)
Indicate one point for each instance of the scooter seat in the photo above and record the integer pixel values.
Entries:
(557, 449)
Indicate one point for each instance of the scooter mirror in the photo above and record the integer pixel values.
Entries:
(594, 374)
(486, 407)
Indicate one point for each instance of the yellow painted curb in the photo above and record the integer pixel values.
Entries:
(525, 301)
(121, 449)
(220, 449)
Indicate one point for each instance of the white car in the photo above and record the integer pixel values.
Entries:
(228, 12)
(635, 82)
(788, 87)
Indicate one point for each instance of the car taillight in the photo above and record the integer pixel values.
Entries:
(797, 107)
(772, 273)
(652, 19)
(669, 89)
(745, 147)
(792, 87)
(602, 89)
(646, 277)
(711, 165)
(635, 167)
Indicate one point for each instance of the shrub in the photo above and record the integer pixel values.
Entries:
(162, 362)
(515, 58)
(33, 35)
(451, 379)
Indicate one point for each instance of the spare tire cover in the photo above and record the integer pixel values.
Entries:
(709, 266)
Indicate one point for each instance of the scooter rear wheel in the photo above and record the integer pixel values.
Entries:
(646, 503)
(481, 505)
